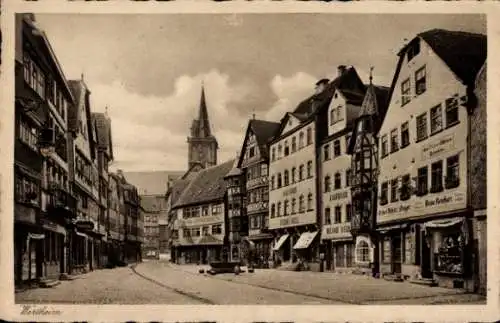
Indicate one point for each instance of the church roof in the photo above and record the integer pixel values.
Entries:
(207, 185)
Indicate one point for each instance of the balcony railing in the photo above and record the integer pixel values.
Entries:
(255, 182)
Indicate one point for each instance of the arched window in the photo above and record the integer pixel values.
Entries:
(287, 149)
(293, 175)
(279, 208)
(362, 251)
(273, 210)
(301, 172)
(309, 168)
(338, 181)
(301, 140)
(294, 144)
(272, 182)
(309, 136)
(301, 203)
(327, 183)
(279, 180)
(293, 205)
(287, 179)
(310, 201)
(286, 207)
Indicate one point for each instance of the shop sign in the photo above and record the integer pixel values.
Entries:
(337, 231)
(257, 207)
(203, 220)
(438, 147)
(290, 191)
(441, 200)
(84, 225)
(289, 221)
(338, 196)
(392, 210)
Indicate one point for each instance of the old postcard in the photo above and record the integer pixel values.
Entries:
(183, 162)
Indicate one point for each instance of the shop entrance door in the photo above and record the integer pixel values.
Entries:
(425, 259)
(396, 254)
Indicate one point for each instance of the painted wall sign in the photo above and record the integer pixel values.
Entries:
(336, 231)
(288, 221)
(438, 147)
(257, 207)
(397, 209)
(290, 191)
(202, 220)
(339, 195)
(441, 200)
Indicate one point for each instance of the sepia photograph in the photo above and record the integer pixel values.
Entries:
(249, 159)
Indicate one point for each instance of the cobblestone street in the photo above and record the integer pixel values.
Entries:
(163, 283)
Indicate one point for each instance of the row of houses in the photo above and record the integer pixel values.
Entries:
(71, 214)
(387, 181)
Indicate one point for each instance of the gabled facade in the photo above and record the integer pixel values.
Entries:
(254, 163)
(424, 151)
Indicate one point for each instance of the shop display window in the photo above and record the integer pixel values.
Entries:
(450, 256)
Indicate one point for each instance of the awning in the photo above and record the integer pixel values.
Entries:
(444, 223)
(280, 242)
(260, 236)
(36, 236)
(305, 240)
(250, 243)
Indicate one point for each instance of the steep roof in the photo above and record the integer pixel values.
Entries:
(235, 171)
(463, 52)
(263, 131)
(207, 185)
(152, 182)
(176, 190)
(152, 203)
(103, 128)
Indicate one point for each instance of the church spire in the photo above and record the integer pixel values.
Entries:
(204, 123)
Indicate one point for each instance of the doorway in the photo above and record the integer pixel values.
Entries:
(396, 254)
(425, 258)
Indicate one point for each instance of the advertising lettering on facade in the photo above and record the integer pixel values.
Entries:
(290, 191)
(337, 231)
(403, 208)
(339, 196)
(300, 219)
(257, 207)
(446, 200)
(203, 220)
(438, 147)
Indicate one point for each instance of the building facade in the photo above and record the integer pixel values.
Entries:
(44, 206)
(254, 163)
(424, 212)
(116, 221)
(132, 240)
(153, 209)
(200, 217)
(202, 145)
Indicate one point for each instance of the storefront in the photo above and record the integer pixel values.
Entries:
(305, 248)
(339, 247)
(282, 249)
(262, 252)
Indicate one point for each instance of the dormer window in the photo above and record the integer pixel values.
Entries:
(414, 50)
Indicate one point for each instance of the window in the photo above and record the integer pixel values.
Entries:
(338, 214)
(309, 201)
(273, 210)
(452, 172)
(336, 148)
(420, 81)
(293, 175)
(301, 140)
(28, 135)
(204, 210)
(309, 136)
(348, 178)
(294, 144)
(187, 232)
(279, 209)
(414, 50)
(301, 204)
(287, 150)
(217, 229)
(196, 232)
(301, 172)
(327, 184)
(394, 140)
(383, 193)
(405, 135)
(422, 127)
(280, 151)
(309, 169)
(273, 154)
(285, 207)
(279, 180)
(405, 92)
(436, 119)
(326, 152)
(422, 181)
(384, 147)
(328, 219)
(348, 213)
(394, 190)
(437, 176)
(337, 181)
(26, 189)
(263, 170)
(451, 112)
(293, 205)
(339, 114)
(363, 251)
(332, 116)
(347, 141)
(252, 152)
(405, 188)
(272, 182)
(287, 179)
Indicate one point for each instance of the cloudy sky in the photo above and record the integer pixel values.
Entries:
(148, 69)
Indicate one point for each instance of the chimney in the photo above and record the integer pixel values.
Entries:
(341, 70)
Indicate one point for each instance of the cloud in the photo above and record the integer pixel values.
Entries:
(150, 132)
(289, 91)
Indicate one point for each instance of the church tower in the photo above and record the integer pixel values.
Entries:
(202, 145)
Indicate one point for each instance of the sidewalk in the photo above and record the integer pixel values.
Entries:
(355, 289)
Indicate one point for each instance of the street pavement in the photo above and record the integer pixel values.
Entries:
(157, 282)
